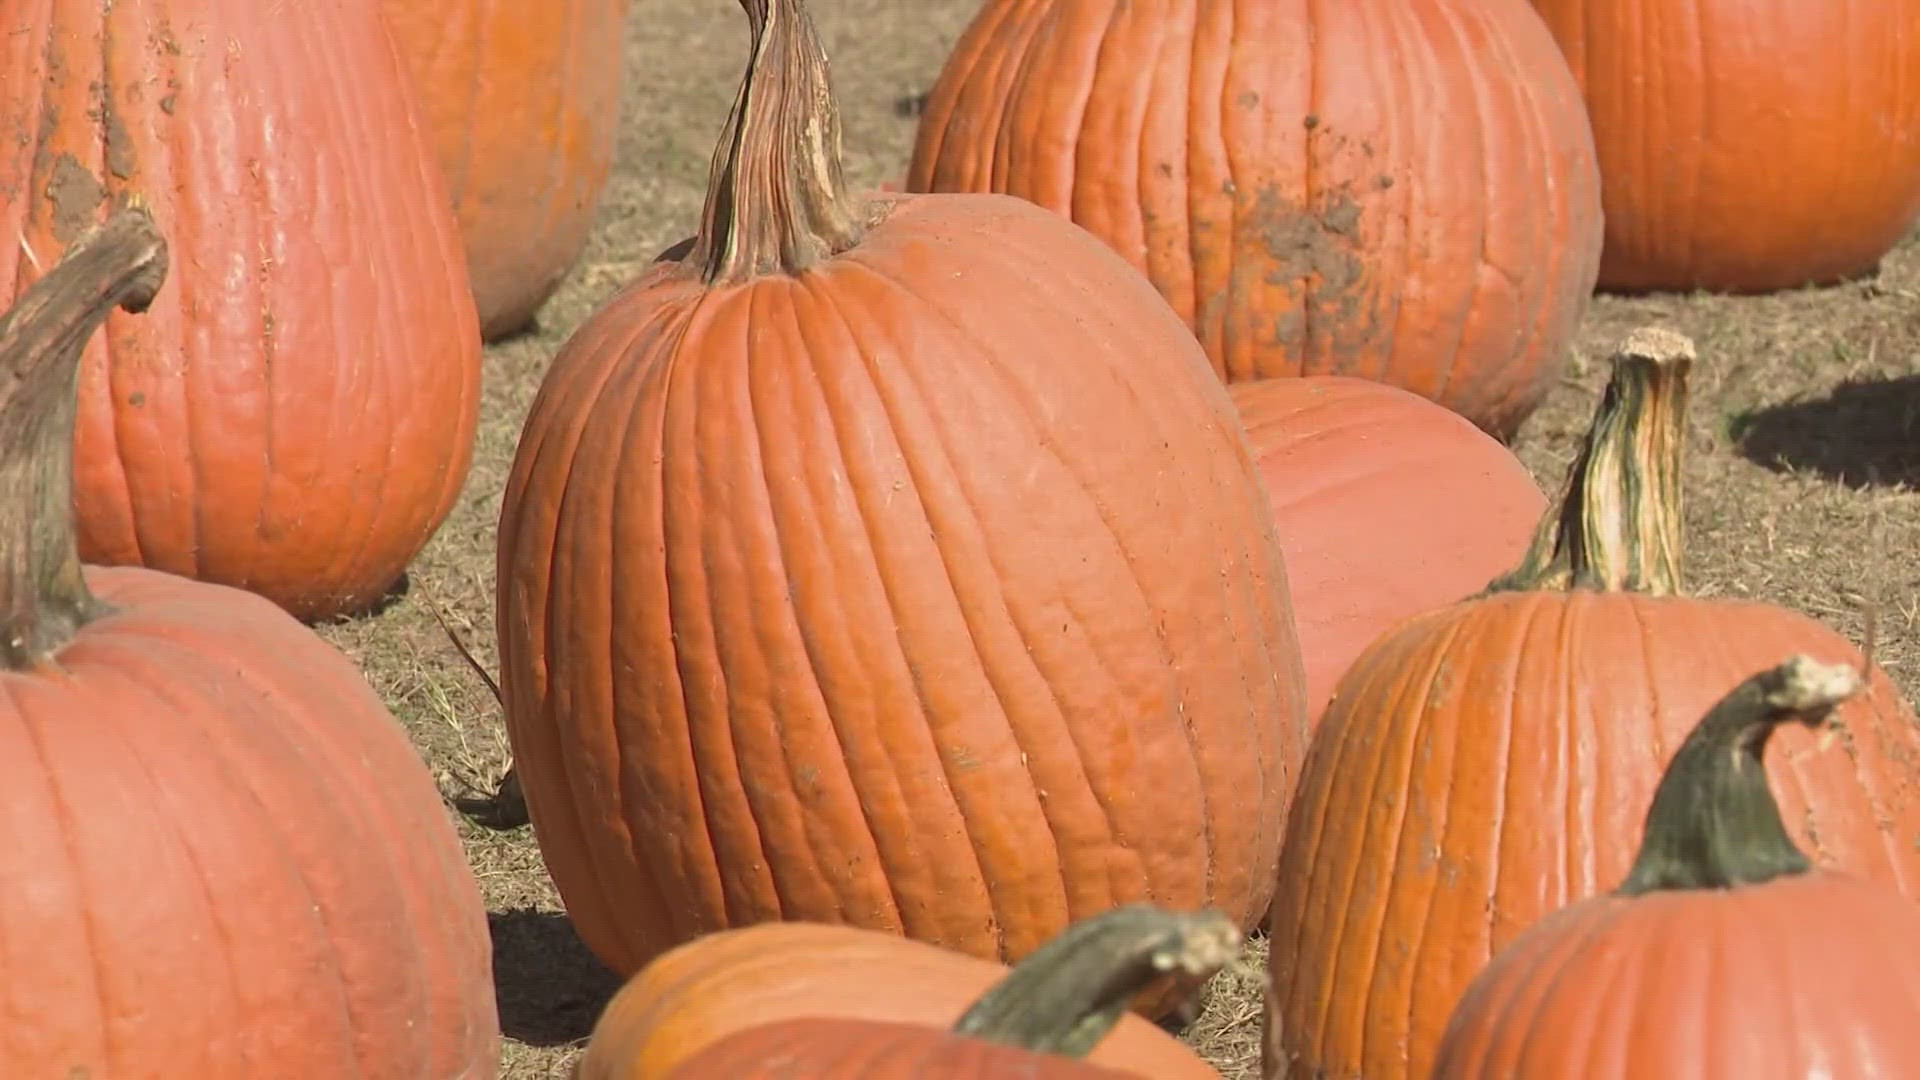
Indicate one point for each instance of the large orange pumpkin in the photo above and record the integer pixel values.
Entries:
(1727, 168)
(224, 860)
(295, 416)
(1486, 763)
(743, 987)
(896, 563)
(1724, 955)
(1403, 190)
(1388, 506)
(523, 103)
(829, 1048)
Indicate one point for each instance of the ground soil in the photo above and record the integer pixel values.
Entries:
(1803, 460)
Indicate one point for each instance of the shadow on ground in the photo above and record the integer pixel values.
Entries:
(549, 987)
(1862, 434)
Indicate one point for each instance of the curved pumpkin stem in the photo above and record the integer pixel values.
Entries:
(1714, 823)
(776, 198)
(1066, 996)
(43, 598)
(1617, 526)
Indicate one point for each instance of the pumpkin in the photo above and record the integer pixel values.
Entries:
(828, 1049)
(893, 562)
(296, 416)
(1724, 953)
(834, 993)
(1731, 170)
(224, 859)
(523, 103)
(1388, 506)
(1484, 764)
(1399, 190)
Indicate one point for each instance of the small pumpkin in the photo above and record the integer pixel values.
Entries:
(1734, 171)
(895, 562)
(830, 995)
(296, 416)
(523, 103)
(1724, 955)
(1400, 190)
(1486, 763)
(1388, 506)
(224, 859)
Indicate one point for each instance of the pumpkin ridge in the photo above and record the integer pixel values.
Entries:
(612, 391)
(886, 384)
(1014, 391)
(370, 814)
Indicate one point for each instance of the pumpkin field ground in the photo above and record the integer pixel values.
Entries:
(1804, 454)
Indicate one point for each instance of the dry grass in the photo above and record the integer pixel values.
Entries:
(1804, 452)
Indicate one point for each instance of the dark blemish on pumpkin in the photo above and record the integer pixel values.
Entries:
(1312, 121)
(76, 195)
(1383, 181)
(1313, 252)
(120, 156)
(167, 103)
(136, 399)
(1249, 99)
(1165, 170)
(806, 782)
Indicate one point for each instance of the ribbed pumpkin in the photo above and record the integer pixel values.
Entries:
(831, 1049)
(523, 103)
(896, 563)
(1726, 168)
(1401, 190)
(1724, 955)
(295, 416)
(1388, 507)
(720, 1003)
(1484, 764)
(224, 860)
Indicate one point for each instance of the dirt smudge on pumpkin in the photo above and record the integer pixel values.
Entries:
(76, 195)
(1313, 252)
(120, 155)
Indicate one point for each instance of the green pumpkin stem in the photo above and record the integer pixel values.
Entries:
(44, 599)
(1617, 526)
(1714, 823)
(1066, 996)
(777, 201)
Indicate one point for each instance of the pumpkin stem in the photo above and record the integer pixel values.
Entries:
(43, 598)
(1617, 526)
(1714, 823)
(1066, 996)
(776, 198)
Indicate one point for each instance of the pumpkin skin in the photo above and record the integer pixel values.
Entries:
(209, 809)
(1733, 171)
(701, 993)
(1400, 191)
(911, 590)
(1388, 506)
(1845, 1011)
(1482, 765)
(295, 415)
(1723, 955)
(832, 1048)
(225, 859)
(523, 103)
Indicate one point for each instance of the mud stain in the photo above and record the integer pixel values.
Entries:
(76, 195)
(1314, 253)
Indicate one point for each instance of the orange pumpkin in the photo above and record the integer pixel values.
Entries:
(295, 416)
(828, 1048)
(1401, 190)
(896, 563)
(1724, 955)
(1388, 506)
(1486, 763)
(1726, 168)
(523, 103)
(224, 859)
(729, 998)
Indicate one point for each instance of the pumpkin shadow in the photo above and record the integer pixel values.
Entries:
(549, 988)
(1861, 434)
